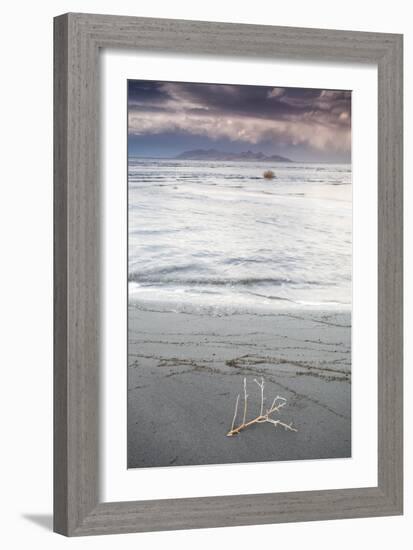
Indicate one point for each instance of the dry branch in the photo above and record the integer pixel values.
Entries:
(277, 404)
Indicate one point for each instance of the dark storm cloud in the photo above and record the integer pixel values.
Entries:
(140, 91)
(251, 114)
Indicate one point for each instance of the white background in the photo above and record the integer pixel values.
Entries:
(26, 271)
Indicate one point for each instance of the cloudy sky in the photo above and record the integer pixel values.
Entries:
(167, 118)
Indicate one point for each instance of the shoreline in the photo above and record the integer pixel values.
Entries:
(185, 372)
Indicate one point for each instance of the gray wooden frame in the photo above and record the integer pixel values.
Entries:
(78, 39)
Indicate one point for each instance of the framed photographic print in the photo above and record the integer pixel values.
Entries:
(228, 274)
(239, 273)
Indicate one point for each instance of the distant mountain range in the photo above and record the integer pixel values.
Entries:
(213, 154)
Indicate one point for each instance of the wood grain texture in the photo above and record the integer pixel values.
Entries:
(78, 39)
(60, 485)
(76, 276)
(390, 273)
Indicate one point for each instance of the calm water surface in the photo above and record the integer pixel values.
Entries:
(217, 235)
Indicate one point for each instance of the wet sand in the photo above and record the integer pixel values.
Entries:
(186, 369)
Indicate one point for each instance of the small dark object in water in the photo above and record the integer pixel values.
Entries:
(269, 175)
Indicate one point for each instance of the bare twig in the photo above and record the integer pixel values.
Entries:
(260, 385)
(235, 413)
(277, 404)
(245, 400)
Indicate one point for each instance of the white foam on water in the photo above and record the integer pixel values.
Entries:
(218, 233)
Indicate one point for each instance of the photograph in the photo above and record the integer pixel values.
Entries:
(239, 273)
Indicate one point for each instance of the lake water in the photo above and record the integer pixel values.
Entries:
(217, 236)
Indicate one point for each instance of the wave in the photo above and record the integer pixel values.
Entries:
(220, 282)
(218, 233)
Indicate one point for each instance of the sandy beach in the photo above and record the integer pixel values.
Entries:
(186, 369)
